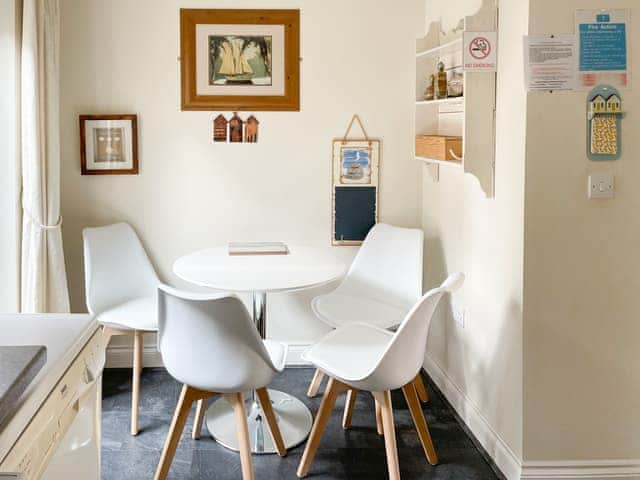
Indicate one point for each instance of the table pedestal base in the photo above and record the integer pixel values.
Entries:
(294, 420)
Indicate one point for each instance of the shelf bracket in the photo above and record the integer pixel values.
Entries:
(433, 169)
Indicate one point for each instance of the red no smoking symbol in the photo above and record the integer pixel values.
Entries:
(480, 48)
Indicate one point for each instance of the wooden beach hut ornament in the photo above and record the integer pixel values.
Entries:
(235, 128)
(251, 130)
(220, 129)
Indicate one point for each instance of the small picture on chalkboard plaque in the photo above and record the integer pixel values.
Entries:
(355, 164)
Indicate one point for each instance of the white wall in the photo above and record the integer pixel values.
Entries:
(582, 381)
(9, 157)
(121, 57)
(480, 366)
(548, 354)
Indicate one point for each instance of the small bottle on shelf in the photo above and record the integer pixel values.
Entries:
(441, 83)
(456, 83)
(429, 92)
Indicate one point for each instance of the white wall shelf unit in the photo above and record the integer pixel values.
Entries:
(471, 116)
(449, 47)
(435, 161)
(440, 100)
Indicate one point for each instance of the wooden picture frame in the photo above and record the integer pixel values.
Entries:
(109, 144)
(264, 46)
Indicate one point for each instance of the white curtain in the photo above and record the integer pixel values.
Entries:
(44, 279)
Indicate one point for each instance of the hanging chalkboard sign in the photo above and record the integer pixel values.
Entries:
(356, 171)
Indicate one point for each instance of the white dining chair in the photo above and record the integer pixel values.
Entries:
(382, 284)
(120, 290)
(209, 343)
(361, 356)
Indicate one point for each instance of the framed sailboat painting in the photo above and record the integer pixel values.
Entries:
(240, 59)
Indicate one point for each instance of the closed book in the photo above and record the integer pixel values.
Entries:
(258, 248)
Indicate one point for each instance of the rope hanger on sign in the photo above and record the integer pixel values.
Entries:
(364, 132)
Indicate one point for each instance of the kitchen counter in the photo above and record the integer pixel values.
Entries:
(63, 335)
(19, 364)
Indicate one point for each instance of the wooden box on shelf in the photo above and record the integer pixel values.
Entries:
(439, 147)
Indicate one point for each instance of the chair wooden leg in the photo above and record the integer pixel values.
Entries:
(379, 426)
(420, 423)
(272, 421)
(420, 388)
(137, 370)
(315, 383)
(384, 398)
(237, 402)
(198, 419)
(107, 333)
(187, 397)
(352, 393)
(334, 387)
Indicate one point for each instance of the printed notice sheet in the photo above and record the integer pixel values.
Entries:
(550, 62)
(603, 37)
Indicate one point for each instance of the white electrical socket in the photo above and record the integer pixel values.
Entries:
(458, 313)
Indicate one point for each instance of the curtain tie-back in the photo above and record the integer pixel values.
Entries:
(40, 225)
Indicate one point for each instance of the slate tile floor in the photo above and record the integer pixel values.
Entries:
(354, 454)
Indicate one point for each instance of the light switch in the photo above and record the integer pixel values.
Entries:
(601, 185)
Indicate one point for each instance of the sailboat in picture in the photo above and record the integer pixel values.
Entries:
(235, 67)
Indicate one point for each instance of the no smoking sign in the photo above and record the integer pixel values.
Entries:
(480, 51)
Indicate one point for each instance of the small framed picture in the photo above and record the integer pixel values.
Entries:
(355, 164)
(108, 144)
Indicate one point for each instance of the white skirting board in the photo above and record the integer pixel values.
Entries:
(506, 460)
(121, 356)
(582, 469)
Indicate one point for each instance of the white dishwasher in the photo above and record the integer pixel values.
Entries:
(59, 421)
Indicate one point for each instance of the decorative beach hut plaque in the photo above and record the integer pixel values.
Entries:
(604, 119)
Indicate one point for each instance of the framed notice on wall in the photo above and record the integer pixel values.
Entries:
(355, 178)
(603, 38)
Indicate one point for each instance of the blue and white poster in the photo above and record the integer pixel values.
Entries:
(603, 38)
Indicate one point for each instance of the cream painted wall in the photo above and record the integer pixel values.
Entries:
(550, 273)
(484, 239)
(9, 159)
(120, 56)
(582, 381)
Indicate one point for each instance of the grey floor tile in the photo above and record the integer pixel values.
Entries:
(354, 454)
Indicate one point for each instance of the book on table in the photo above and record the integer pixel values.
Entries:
(258, 248)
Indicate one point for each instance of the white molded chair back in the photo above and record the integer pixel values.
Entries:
(209, 342)
(388, 266)
(405, 354)
(116, 267)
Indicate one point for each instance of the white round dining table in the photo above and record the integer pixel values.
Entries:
(301, 268)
